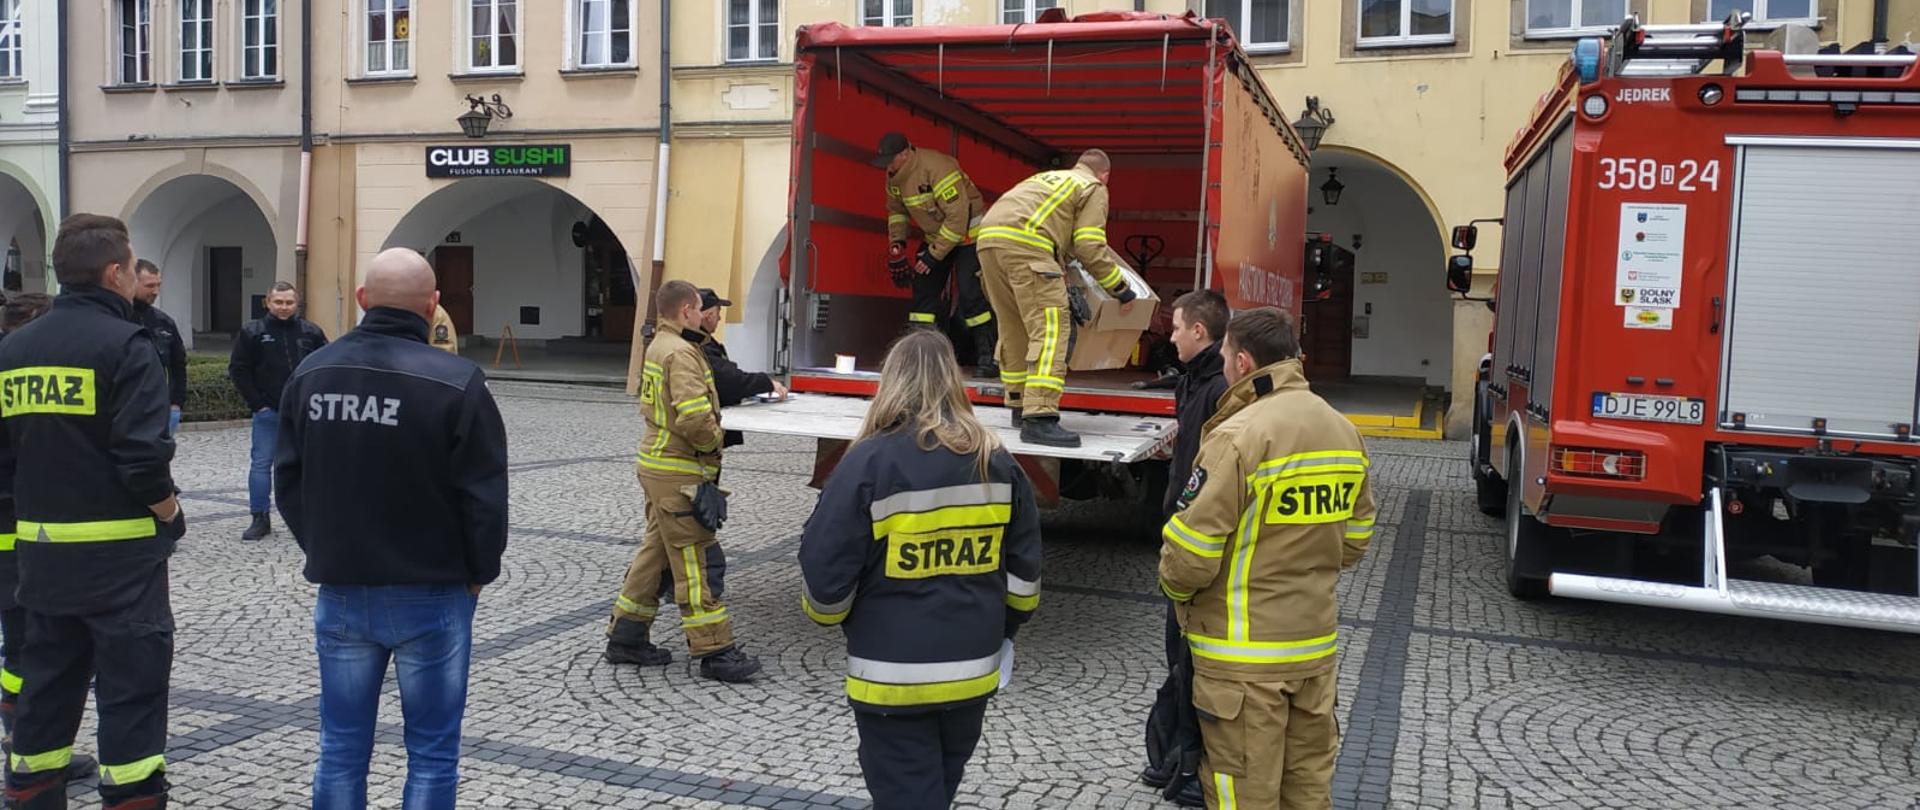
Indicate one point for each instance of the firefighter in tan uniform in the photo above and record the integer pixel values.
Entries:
(441, 334)
(1023, 244)
(1279, 502)
(929, 191)
(679, 451)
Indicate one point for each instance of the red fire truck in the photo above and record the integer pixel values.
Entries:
(1208, 190)
(1707, 340)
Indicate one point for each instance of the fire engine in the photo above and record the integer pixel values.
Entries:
(1705, 367)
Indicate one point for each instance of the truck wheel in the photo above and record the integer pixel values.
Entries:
(1526, 546)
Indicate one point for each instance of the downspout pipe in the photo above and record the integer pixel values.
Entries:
(666, 131)
(1880, 24)
(64, 110)
(306, 148)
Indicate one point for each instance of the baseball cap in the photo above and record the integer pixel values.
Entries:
(891, 144)
(709, 299)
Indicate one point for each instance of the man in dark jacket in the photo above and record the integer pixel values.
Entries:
(392, 467)
(1199, 321)
(265, 354)
(166, 338)
(734, 384)
(84, 402)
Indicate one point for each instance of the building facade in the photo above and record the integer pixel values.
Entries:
(29, 142)
(1424, 97)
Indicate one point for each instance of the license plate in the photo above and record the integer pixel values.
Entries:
(1650, 408)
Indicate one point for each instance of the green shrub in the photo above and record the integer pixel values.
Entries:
(210, 394)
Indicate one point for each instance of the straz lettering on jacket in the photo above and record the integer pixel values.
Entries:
(48, 389)
(943, 552)
(353, 408)
(1313, 497)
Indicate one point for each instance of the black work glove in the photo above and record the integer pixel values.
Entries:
(1077, 304)
(923, 262)
(710, 506)
(1126, 296)
(897, 265)
(174, 529)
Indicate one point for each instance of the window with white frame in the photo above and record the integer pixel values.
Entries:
(891, 13)
(493, 31)
(389, 27)
(1549, 18)
(135, 19)
(1261, 25)
(10, 43)
(605, 33)
(1767, 11)
(1024, 11)
(1405, 22)
(753, 30)
(259, 39)
(196, 40)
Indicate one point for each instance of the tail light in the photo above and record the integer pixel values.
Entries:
(1586, 462)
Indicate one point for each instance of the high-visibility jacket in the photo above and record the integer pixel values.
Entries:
(84, 401)
(1278, 503)
(1060, 213)
(925, 567)
(931, 193)
(681, 406)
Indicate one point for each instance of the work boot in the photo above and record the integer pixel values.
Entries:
(261, 528)
(1017, 421)
(986, 341)
(151, 801)
(629, 644)
(1157, 777)
(1190, 795)
(81, 767)
(729, 665)
(48, 794)
(1047, 430)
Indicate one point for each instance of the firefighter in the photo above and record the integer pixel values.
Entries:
(18, 311)
(1256, 600)
(443, 335)
(925, 549)
(1022, 241)
(84, 402)
(928, 190)
(679, 452)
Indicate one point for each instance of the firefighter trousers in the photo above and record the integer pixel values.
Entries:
(914, 761)
(929, 291)
(674, 541)
(1029, 288)
(13, 631)
(1268, 744)
(126, 654)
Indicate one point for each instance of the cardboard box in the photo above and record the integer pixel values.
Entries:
(1109, 339)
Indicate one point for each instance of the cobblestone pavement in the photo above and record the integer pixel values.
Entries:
(1451, 694)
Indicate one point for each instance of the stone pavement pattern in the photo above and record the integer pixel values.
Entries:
(1451, 694)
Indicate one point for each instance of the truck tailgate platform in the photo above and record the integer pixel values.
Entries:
(1103, 437)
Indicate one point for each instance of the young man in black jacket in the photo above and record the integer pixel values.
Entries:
(1199, 322)
(392, 476)
(265, 354)
(166, 338)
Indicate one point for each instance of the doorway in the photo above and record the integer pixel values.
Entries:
(453, 277)
(609, 297)
(224, 296)
(1326, 321)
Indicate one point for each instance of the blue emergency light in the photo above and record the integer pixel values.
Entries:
(1586, 60)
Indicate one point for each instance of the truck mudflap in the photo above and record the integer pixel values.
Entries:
(1735, 597)
(1122, 439)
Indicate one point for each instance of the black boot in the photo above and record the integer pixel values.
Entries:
(150, 801)
(1189, 794)
(1017, 421)
(729, 665)
(44, 794)
(628, 644)
(1047, 430)
(1157, 777)
(986, 341)
(81, 768)
(261, 528)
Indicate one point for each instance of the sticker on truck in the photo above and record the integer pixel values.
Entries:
(1649, 408)
(1652, 255)
(1649, 318)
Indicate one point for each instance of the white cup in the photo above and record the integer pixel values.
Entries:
(843, 363)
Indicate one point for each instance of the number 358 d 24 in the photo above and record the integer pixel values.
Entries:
(1648, 174)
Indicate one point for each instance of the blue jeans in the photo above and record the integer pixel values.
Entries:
(428, 632)
(266, 434)
(173, 421)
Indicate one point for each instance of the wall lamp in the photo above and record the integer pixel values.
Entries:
(481, 112)
(1313, 123)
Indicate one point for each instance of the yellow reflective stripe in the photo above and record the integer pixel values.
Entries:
(48, 389)
(694, 405)
(973, 232)
(917, 199)
(1262, 652)
(1090, 234)
(635, 608)
(1013, 377)
(952, 179)
(1053, 383)
(54, 760)
(1238, 617)
(676, 465)
(1177, 596)
(704, 619)
(1359, 529)
(1049, 346)
(979, 319)
(690, 559)
(133, 772)
(921, 694)
(652, 366)
(1223, 790)
(1113, 279)
(1068, 186)
(897, 219)
(920, 317)
(950, 517)
(8, 540)
(91, 531)
(1182, 535)
(822, 616)
(1024, 237)
(1318, 461)
(1023, 603)
(10, 681)
(948, 234)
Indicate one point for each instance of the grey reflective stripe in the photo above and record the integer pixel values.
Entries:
(829, 608)
(867, 669)
(1265, 651)
(1021, 587)
(1271, 469)
(927, 500)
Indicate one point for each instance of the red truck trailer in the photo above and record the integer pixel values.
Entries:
(1207, 174)
(1705, 370)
